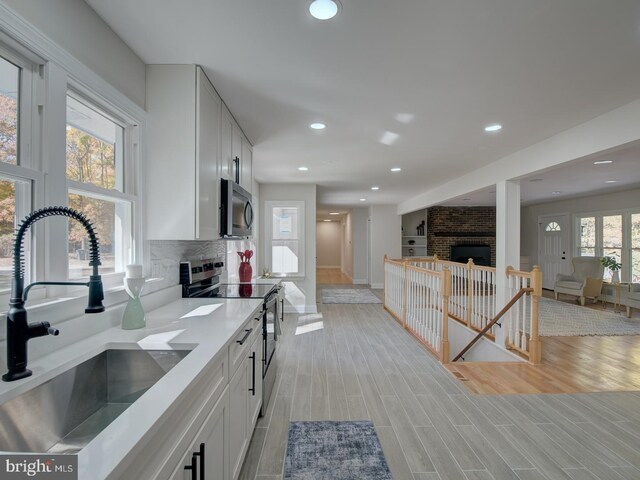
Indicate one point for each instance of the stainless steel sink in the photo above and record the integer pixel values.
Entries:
(65, 413)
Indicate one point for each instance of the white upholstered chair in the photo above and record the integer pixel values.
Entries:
(633, 298)
(584, 282)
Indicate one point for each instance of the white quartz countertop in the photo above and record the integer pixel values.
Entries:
(209, 325)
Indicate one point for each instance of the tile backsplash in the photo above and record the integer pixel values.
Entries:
(164, 257)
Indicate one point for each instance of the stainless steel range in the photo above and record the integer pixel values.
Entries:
(200, 279)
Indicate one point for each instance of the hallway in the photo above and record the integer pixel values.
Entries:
(362, 365)
(331, 276)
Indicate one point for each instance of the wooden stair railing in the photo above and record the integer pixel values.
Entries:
(495, 320)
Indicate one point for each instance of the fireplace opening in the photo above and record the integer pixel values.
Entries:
(480, 253)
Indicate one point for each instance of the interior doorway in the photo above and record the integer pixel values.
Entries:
(555, 252)
(330, 253)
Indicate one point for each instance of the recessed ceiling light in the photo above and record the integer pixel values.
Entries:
(396, 169)
(556, 193)
(334, 213)
(375, 188)
(327, 220)
(363, 199)
(603, 162)
(318, 126)
(324, 9)
(303, 169)
(493, 128)
(389, 138)
(611, 181)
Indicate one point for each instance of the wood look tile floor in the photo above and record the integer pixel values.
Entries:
(363, 366)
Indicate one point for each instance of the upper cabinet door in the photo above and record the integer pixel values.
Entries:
(226, 145)
(209, 111)
(236, 152)
(246, 177)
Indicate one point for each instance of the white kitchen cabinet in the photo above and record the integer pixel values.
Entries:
(239, 425)
(246, 166)
(241, 156)
(245, 390)
(209, 452)
(184, 166)
(255, 382)
(226, 145)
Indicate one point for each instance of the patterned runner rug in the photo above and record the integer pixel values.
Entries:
(334, 450)
(559, 319)
(349, 295)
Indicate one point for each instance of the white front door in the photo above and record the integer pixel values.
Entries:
(553, 245)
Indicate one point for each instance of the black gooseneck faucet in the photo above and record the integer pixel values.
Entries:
(19, 331)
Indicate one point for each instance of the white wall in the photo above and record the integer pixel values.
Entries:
(593, 203)
(301, 292)
(359, 220)
(75, 27)
(385, 240)
(329, 244)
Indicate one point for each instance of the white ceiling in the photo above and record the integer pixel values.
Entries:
(451, 67)
(573, 179)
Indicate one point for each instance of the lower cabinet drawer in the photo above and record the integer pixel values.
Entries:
(239, 348)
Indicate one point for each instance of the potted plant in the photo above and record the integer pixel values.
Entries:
(614, 266)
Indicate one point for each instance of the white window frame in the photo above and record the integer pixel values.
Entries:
(268, 223)
(53, 71)
(626, 213)
(28, 150)
(127, 195)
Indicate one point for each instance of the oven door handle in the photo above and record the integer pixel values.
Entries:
(246, 335)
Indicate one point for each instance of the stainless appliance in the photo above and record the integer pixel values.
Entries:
(200, 279)
(236, 212)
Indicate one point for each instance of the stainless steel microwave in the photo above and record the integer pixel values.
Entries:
(236, 212)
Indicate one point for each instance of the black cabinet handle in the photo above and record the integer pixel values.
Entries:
(253, 373)
(193, 468)
(282, 313)
(201, 455)
(246, 335)
(236, 162)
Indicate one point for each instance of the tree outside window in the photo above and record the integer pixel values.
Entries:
(95, 158)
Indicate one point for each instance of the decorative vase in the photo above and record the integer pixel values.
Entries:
(133, 316)
(245, 272)
(615, 276)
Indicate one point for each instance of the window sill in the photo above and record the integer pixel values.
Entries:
(74, 302)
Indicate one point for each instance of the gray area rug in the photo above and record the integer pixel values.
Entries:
(559, 319)
(334, 450)
(349, 295)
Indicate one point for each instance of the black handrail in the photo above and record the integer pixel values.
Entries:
(506, 308)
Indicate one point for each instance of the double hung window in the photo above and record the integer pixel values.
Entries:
(95, 168)
(285, 238)
(16, 176)
(612, 234)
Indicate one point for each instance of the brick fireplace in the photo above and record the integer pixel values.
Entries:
(461, 226)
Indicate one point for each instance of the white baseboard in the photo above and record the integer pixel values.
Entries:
(377, 285)
(360, 281)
